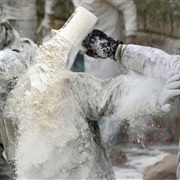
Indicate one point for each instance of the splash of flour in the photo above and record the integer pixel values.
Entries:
(137, 96)
(135, 101)
(32, 104)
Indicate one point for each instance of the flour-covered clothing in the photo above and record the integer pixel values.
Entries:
(75, 104)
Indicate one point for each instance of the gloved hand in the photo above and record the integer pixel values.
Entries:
(46, 25)
(170, 90)
(99, 45)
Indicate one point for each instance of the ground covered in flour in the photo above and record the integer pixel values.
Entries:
(138, 159)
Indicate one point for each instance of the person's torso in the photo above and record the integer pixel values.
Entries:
(74, 144)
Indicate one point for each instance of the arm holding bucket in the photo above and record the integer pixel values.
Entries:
(147, 61)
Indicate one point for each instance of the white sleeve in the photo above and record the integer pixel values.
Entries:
(128, 8)
(158, 71)
(149, 61)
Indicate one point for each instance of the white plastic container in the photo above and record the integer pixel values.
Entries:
(77, 27)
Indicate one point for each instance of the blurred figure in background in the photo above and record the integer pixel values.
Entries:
(55, 13)
(22, 15)
(49, 17)
(109, 21)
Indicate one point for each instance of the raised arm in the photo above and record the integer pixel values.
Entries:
(145, 60)
(149, 63)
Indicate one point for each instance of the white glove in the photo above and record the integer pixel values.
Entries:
(170, 90)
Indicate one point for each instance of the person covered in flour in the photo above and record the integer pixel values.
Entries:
(69, 144)
(77, 103)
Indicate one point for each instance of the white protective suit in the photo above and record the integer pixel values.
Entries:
(74, 102)
(55, 15)
(108, 14)
(23, 16)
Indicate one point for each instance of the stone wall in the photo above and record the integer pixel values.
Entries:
(159, 26)
(159, 23)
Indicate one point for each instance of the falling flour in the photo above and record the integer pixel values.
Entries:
(31, 106)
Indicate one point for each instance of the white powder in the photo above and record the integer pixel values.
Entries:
(31, 106)
(137, 92)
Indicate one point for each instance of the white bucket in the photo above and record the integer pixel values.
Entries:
(77, 27)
